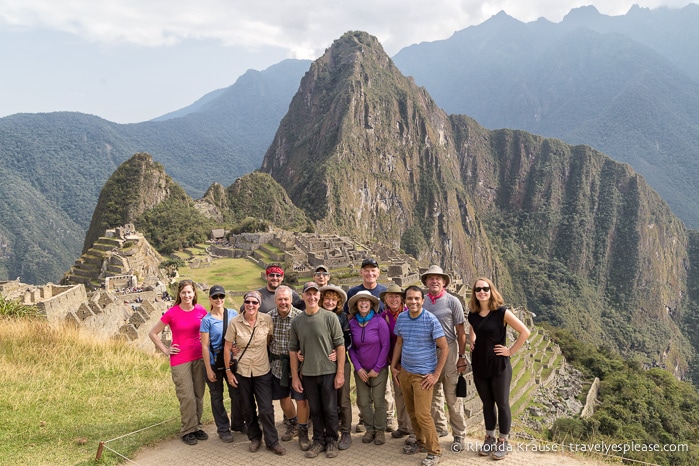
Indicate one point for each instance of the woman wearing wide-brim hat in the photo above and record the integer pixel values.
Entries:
(369, 355)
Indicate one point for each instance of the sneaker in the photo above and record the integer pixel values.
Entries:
(304, 442)
(315, 450)
(457, 445)
(331, 449)
(487, 447)
(411, 439)
(290, 433)
(189, 439)
(412, 448)
(368, 437)
(430, 460)
(226, 437)
(360, 427)
(390, 425)
(500, 450)
(201, 435)
(399, 433)
(379, 438)
(345, 441)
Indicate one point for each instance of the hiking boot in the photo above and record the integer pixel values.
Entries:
(331, 449)
(189, 439)
(277, 449)
(201, 435)
(304, 442)
(457, 445)
(487, 447)
(399, 433)
(315, 450)
(500, 450)
(442, 433)
(226, 437)
(254, 445)
(412, 448)
(411, 439)
(430, 460)
(345, 441)
(379, 438)
(360, 427)
(290, 433)
(368, 437)
(390, 425)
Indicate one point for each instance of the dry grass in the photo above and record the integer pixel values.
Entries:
(64, 392)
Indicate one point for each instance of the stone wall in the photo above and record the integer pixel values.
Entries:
(57, 307)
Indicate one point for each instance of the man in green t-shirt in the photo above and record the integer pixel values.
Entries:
(314, 335)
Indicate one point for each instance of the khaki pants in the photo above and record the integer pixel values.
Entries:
(417, 402)
(447, 382)
(190, 386)
(401, 412)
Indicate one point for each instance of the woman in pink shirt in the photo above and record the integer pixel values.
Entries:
(186, 363)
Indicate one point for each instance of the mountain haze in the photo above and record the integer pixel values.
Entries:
(582, 240)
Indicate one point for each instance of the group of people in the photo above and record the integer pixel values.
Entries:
(406, 350)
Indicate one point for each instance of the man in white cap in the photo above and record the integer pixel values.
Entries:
(450, 313)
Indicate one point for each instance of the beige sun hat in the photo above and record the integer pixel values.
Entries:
(340, 292)
(392, 289)
(435, 270)
(352, 305)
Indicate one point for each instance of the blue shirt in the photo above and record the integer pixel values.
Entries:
(419, 336)
(214, 327)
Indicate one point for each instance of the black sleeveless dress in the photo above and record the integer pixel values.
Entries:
(490, 330)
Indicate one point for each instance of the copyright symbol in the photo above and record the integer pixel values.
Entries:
(456, 447)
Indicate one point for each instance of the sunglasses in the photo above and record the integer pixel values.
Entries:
(251, 301)
(219, 296)
(478, 289)
(325, 274)
(275, 275)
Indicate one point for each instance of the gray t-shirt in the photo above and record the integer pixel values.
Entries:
(316, 336)
(449, 312)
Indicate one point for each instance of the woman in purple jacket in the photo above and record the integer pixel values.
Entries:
(369, 355)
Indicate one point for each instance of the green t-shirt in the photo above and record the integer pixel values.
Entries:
(316, 336)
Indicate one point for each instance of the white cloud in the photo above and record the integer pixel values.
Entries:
(246, 34)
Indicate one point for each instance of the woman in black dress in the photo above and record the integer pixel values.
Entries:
(490, 358)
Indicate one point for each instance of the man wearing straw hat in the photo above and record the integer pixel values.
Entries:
(450, 313)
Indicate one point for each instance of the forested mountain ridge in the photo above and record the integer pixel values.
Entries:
(626, 85)
(579, 239)
(54, 165)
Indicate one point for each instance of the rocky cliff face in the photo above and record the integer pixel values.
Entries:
(579, 238)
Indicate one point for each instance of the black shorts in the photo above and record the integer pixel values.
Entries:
(279, 392)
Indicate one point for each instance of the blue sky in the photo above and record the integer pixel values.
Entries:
(133, 60)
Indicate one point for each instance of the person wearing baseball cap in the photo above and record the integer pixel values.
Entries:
(321, 275)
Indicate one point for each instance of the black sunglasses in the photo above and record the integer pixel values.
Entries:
(250, 301)
(478, 289)
(219, 296)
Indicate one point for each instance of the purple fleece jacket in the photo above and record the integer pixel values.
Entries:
(370, 344)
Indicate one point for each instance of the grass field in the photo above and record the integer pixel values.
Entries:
(63, 393)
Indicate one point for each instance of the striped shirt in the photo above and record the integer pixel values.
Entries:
(419, 334)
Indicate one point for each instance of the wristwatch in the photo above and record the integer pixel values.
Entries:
(228, 368)
(462, 356)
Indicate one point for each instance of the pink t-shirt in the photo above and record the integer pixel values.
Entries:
(185, 332)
